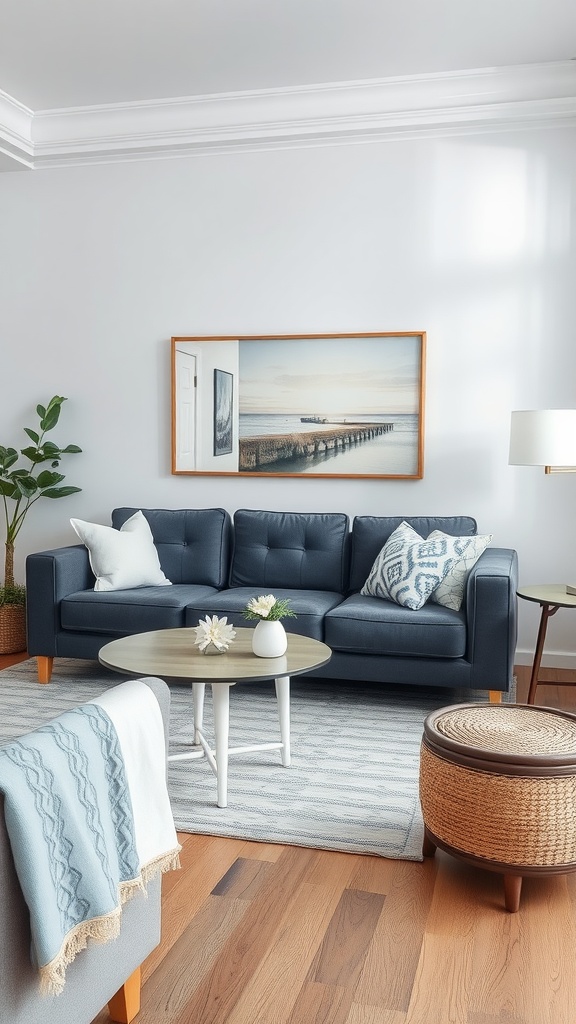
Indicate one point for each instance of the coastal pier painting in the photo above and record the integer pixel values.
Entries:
(347, 405)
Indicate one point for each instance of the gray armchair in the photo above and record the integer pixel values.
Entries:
(101, 974)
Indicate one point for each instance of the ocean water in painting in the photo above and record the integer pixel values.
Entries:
(395, 452)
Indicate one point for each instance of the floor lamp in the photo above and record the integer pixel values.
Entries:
(544, 437)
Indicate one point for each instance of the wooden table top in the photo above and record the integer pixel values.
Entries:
(171, 654)
(548, 593)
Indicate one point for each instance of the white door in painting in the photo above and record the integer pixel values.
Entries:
(185, 410)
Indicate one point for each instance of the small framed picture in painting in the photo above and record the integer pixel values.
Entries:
(223, 402)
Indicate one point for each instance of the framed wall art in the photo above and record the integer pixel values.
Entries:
(318, 405)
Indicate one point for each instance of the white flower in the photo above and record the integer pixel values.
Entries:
(262, 606)
(214, 631)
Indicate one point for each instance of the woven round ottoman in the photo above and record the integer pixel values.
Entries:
(498, 789)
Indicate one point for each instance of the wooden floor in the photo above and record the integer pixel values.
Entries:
(266, 934)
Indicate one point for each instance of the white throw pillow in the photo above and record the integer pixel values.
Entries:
(409, 568)
(450, 592)
(122, 559)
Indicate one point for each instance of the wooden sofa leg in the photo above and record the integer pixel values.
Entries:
(44, 668)
(124, 1006)
(495, 696)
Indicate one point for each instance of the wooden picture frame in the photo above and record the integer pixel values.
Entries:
(318, 405)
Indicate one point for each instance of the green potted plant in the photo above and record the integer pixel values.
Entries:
(20, 489)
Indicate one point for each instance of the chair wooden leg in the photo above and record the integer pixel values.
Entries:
(512, 890)
(125, 1004)
(495, 696)
(44, 668)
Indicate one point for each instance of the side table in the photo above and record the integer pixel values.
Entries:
(550, 597)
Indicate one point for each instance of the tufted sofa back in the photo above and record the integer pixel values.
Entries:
(193, 544)
(370, 533)
(294, 550)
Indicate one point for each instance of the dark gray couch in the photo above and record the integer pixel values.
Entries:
(320, 562)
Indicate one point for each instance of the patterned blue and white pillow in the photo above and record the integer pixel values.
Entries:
(450, 592)
(409, 568)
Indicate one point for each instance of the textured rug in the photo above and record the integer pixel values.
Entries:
(353, 782)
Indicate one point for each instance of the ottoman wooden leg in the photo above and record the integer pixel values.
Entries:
(512, 890)
(428, 847)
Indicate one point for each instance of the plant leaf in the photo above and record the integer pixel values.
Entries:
(60, 492)
(71, 449)
(41, 411)
(26, 485)
(32, 435)
(52, 413)
(48, 479)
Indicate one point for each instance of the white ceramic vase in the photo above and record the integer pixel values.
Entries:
(269, 639)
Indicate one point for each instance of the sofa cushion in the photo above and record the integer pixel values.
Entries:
(123, 612)
(295, 550)
(450, 592)
(409, 567)
(370, 625)
(122, 558)
(370, 533)
(193, 544)
(310, 607)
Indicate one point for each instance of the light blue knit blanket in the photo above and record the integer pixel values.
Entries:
(69, 819)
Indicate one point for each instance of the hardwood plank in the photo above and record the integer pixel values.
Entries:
(392, 960)
(341, 955)
(187, 895)
(375, 874)
(275, 986)
(243, 879)
(332, 870)
(261, 851)
(321, 1004)
(443, 977)
(219, 991)
(360, 1014)
(187, 962)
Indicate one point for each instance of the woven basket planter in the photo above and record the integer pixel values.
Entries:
(498, 787)
(12, 628)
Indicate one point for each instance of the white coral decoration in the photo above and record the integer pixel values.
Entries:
(262, 606)
(214, 631)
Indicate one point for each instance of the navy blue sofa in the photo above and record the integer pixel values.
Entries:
(319, 561)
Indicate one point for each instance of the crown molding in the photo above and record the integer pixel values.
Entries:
(481, 100)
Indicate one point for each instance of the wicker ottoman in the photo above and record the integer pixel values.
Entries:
(498, 789)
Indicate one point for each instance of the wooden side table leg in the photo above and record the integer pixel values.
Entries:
(548, 611)
(512, 890)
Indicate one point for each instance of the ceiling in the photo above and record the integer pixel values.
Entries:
(70, 53)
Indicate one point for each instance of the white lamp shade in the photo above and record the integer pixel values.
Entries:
(543, 437)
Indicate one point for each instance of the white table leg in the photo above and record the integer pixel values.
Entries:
(221, 705)
(283, 697)
(198, 702)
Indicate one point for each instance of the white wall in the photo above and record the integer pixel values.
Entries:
(468, 238)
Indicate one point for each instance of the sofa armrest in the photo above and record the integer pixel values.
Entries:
(50, 576)
(491, 618)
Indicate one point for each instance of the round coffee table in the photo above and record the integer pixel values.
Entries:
(171, 654)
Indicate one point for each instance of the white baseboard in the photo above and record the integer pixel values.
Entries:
(550, 659)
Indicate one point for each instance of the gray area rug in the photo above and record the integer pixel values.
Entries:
(353, 782)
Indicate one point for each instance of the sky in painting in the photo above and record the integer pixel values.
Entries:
(330, 376)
